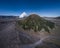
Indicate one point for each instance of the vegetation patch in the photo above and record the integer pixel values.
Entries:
(36, 23)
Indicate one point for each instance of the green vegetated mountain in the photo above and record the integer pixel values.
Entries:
(36, 23)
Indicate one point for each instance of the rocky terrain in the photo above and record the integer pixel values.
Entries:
(11, 36)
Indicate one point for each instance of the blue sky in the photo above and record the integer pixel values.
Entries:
(50, 8)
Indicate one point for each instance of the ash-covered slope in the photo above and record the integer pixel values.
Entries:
(10, 37)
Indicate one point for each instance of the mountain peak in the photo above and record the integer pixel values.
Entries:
(23, 15)
(36, 23)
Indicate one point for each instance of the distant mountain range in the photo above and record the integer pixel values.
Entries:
(57, 17)
(7, 17)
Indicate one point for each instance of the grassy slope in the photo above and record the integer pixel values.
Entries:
(55, 33)
(41, 34)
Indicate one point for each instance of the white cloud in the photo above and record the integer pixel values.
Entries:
(23, 15)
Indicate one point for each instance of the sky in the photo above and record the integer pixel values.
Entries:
(49, 8)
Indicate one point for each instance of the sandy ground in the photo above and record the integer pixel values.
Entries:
(9, 33)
